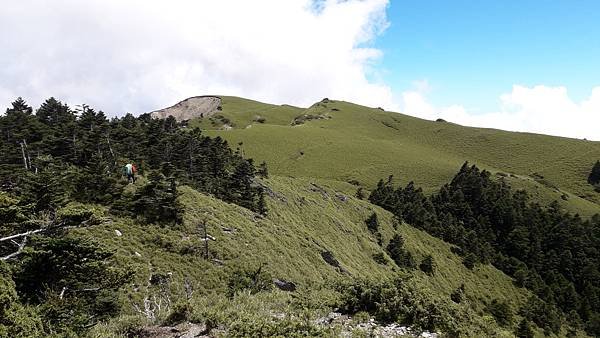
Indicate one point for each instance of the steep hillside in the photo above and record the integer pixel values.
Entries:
(344, 142)
(306, 218)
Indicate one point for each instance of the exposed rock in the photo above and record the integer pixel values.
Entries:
(137, 254)
(284, 285)
(118, 233)
(208, 238)
(184, 330)
(316, 188)
(269, 191)
(193, 107)
(330, 259)
(371, 328)
(341, 197)
(228, 230)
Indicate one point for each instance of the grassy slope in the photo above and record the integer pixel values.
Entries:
(303, 221)
(365, 144)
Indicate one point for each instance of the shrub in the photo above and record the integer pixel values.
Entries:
(180, 312)
(524, 330)
(458, 294)
(469, 261)
(501, 311)
(248, 280)
(372, 223)
(259, 119)
(156, 201)
(286, 327)
(399, 255)
(15, 319)
(380, 258)
(360, 194)
(427, 265)
(394, 300)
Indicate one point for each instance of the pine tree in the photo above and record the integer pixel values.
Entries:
(524, 330)
(427, 265)
(399, 255)
(157, 199)
(594, 177)
(46, 189)
(372, 223)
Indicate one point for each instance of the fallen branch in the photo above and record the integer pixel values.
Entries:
(24, 234)
(16, 253)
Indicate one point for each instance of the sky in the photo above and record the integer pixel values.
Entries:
(516, 65)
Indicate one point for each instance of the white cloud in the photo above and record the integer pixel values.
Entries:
(538, 109)
(140, 55)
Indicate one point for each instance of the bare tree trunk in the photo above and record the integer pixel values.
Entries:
(23, 153)
(112, 153)
(205, 240)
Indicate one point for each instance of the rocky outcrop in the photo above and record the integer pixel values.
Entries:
(284, 285)
(193, 107)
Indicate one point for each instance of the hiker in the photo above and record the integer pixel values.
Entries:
(130, 171)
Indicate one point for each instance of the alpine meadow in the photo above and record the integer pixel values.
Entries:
(253, 219)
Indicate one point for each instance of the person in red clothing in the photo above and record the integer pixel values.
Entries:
(133, 171)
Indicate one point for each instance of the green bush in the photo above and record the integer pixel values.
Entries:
(380, 258)
(395, 301)
(524, 330)
(253, 281)
(402, 257)
(180, 312)
(458, 294)
(270, 327)
(469, 261)
(428, 265)
(16, 320)
(501, 311)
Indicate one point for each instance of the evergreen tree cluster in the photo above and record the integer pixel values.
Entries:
(93, 149)
(547, 250)
(594, 177)
(54, 161)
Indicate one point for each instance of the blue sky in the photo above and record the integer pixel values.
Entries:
(470, 52)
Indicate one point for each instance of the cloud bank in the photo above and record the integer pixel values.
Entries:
(538, 109)
(138, 55)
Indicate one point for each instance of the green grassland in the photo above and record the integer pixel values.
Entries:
(306, 217)
(316, 166)
(357, 143)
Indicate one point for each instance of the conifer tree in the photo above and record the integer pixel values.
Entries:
(399, 255)
(594, 177)
(372, 223)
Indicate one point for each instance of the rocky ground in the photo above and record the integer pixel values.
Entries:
(349, 328)
(193, 107)
(370, 328)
